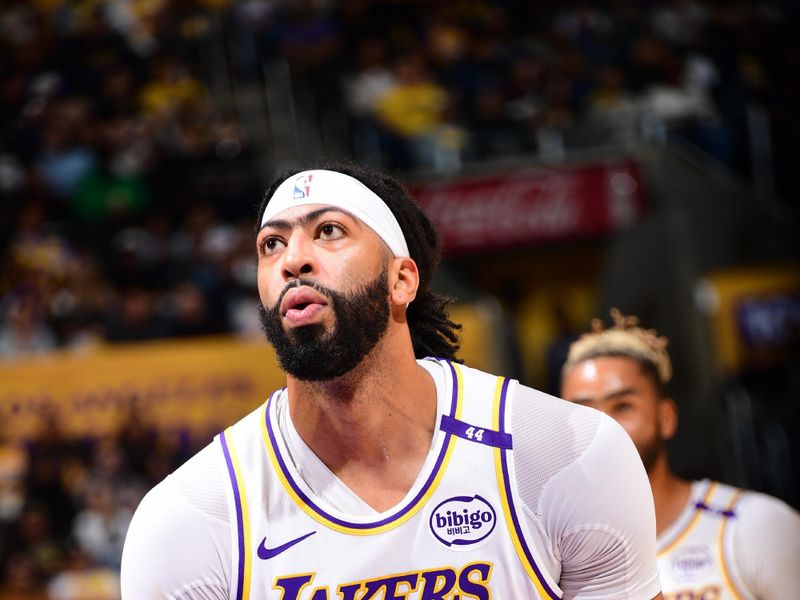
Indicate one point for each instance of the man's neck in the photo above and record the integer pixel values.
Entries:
(373, 426)
(670, 493)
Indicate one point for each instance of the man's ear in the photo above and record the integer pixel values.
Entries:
(404, 280)
(667, 418)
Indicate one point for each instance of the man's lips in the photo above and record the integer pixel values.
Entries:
(301, 305)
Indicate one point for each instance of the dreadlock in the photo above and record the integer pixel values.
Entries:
(625, 338)
(432, 331)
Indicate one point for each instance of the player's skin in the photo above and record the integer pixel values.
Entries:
(372, 426)
(620, 388)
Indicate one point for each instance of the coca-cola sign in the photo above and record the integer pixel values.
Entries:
(529, 206)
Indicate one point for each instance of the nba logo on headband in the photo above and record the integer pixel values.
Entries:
(345, 192)
(302, 187)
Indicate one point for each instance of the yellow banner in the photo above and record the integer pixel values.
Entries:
(197, 385)
(200, 386)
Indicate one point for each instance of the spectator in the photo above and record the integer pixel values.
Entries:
(82, 579)
(21, 579)
(23, 331)
(411, 113)
(65, 158)
(13, 495)
(48, 455)
(114, 190)
(191, 312)
(136, 319)
(38, 545)
(100, 527)
(613, 109)
(364, 88)
(170, 89)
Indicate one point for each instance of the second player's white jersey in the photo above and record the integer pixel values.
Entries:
(455, 536)
(694, 554)
(730, 544)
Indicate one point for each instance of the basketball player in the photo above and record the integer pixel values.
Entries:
(385, 469)
(715, 542)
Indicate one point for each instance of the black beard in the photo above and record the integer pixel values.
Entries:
(310, 353)
(649, 453)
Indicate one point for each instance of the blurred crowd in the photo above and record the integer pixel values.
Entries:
(128, 181)
(129, 173)
(65, 506)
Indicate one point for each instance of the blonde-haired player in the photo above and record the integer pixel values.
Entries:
(714, 541)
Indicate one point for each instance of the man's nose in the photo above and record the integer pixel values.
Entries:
(298, 259)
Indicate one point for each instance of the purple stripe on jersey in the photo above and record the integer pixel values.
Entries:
(239, 521)
(727, 513)
(509, 495)
(365, 526)
(488, 437)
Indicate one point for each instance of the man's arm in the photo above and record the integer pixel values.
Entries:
(176, 549)
(597, 508)
(766, 546)
(609, 536)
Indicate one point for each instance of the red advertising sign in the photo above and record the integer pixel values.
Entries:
(526, 207)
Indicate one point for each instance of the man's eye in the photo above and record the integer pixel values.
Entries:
(330, 231)
(622, 407)
(270, 244)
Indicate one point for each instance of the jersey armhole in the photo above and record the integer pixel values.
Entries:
(509, 496)
(730, 571)
(241, 552)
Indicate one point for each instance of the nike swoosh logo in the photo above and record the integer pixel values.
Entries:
(265, 553)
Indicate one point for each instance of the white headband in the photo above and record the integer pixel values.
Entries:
(345, 192)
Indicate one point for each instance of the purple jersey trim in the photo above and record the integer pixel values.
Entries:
(479, 435)
(239, 521)
(366, 526)
(510, 497)
(727, 513)
(729, 572)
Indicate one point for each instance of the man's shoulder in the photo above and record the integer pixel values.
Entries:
(180, 534)
(540, 400)
(541, 414)
(564, 454)
(532, 413)
(198, 485)
(552, 438)
(556, 439)
(739, 500)
(757, 509)
(762, 534)
(754, 518)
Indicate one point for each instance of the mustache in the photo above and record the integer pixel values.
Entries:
(295, 283)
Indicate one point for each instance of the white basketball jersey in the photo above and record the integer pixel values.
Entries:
(456, 536)
(695, 553)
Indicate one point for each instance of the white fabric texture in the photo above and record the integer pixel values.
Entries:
(345, 192)
(177, 546)
(592, 523)
(585, 490)
(766, 542)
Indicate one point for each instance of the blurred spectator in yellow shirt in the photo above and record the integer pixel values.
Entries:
(413, 116)
(413, 107)
(171, 87)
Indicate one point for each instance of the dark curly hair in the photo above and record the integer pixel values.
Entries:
(432, 331)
